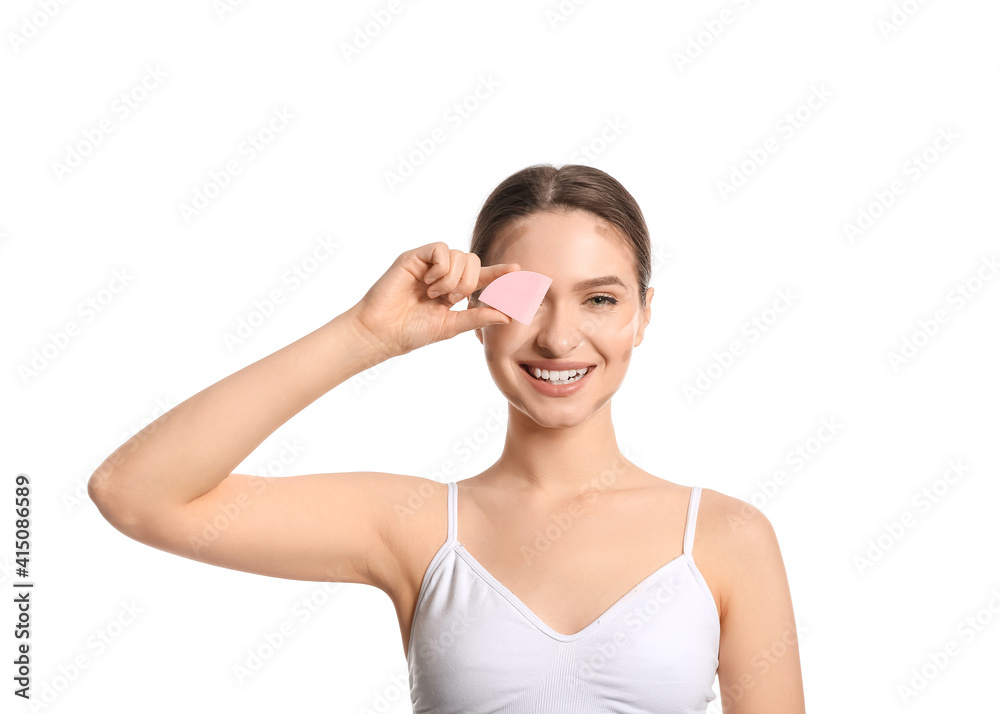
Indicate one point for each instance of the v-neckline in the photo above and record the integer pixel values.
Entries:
(537, 621)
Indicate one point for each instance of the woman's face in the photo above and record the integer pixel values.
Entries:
(582, 322)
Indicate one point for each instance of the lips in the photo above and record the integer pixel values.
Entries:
(556, 390)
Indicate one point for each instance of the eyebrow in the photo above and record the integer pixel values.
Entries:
(599, 282)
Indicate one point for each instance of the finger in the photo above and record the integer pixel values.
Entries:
(473, 317)
(448, 282)
(468, 280)
(438, 256)
(490, 273)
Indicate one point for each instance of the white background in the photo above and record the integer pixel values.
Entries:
(683, 128)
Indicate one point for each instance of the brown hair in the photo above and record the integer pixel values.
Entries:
(544, 188)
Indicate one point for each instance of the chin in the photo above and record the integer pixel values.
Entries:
(545, 422)
(554, 415)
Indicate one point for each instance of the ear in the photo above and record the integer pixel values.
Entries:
(646, 314)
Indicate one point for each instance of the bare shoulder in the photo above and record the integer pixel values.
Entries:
(756, 614)
(736, 540)
(733, 519)
(415, 525)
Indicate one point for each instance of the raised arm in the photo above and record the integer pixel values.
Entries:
(171, 485)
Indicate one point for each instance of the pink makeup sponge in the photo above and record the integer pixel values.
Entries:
(517, 294)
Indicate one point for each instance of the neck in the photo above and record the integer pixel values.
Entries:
(560, 462)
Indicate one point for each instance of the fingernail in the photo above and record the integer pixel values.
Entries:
(433, 293)
(455, 297)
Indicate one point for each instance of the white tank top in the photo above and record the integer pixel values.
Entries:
(476, 648)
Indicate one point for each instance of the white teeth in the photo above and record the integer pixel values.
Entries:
(558, 377)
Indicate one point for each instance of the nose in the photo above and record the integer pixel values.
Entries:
(559, 328)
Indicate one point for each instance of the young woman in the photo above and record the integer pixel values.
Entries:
(563, 578)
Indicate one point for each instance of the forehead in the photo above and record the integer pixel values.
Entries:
(567, 247)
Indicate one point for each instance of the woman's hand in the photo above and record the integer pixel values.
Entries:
(410, 305)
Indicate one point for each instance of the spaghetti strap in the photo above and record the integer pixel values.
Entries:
(452, 511)
(692, 517)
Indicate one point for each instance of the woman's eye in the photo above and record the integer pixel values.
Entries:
(603, 300)
(608, 300)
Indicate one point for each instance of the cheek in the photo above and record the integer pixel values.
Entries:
(623, 339)
(626, 335)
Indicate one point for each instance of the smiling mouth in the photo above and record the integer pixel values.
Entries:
(566, 376)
